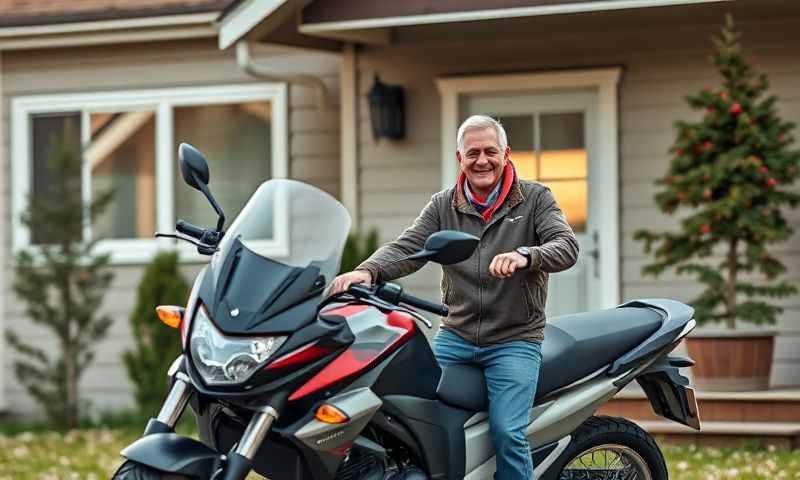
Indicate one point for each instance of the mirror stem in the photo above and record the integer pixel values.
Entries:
(213, 201)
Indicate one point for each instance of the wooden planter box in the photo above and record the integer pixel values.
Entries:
(731, 361)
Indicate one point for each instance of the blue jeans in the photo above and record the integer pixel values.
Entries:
(512, 371)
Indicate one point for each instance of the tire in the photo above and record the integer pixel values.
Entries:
(136, 471)
(616, 436)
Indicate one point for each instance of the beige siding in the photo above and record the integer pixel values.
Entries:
(661, 65)
(313, 152)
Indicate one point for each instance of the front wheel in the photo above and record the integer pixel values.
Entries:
(136, 471)
(609, 448)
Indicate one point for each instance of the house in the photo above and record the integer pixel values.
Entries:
(587, 89)
(136, 77)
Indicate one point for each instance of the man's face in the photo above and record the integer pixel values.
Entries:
(482, 160)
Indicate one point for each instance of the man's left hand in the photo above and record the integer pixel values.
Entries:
(505, 264)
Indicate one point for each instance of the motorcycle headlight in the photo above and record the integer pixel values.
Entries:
(225, 360)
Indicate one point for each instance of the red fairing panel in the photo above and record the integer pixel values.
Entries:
(304, 354)
(377, 335)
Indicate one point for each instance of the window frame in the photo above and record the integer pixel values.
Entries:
(162, 102)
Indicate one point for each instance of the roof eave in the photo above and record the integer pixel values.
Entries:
(123, 30)
(248, 16)
(347, 26)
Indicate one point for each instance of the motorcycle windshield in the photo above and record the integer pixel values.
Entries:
(292, 223)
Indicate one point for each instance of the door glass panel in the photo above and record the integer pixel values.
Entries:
(560, 162)
(563, 149)
(571, 196)
(121, 158)
(563, 162)
(521, 139)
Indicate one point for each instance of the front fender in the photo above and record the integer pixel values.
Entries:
(170, 452)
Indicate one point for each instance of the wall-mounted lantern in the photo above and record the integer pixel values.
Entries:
(387, 110)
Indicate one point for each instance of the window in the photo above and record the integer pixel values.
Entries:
(549, 148)
(129, 141)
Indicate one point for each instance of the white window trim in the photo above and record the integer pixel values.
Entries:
(605, 80)
(161, 101)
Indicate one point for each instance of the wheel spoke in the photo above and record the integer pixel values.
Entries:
(607, 462)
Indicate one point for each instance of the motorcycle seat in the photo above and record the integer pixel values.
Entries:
(574, 347)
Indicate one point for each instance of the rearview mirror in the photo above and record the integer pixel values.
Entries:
(447, 247)
(194, 170)
(194, 167)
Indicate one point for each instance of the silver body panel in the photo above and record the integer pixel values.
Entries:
(553, 421)
(359, 405)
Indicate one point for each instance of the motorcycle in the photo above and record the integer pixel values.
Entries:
(294, 385)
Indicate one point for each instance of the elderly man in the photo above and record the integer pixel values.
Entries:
(497, 296)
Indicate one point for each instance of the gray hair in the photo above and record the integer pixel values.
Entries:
(479, 122)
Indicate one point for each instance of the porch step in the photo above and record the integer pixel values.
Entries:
(784, 436)
(770, 406)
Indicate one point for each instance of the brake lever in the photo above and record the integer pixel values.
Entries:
(416, 315)
(202, 248)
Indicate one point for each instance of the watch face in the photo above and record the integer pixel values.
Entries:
(525, 251)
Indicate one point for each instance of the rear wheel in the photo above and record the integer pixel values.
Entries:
(610, 448)
(136, 471)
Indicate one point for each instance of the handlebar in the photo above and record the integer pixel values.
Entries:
(393, 293)
(189, 229)
(435, 308)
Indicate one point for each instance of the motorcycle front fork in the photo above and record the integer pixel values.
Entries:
(238, 462)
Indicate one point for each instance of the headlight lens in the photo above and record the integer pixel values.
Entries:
(224, 360)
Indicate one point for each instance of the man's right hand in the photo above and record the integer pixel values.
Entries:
(343, 281)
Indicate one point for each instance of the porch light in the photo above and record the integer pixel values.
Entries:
(387, 110)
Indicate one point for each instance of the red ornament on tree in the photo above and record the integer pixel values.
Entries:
(736, 109)
(771, 182)
(711, 109)
(705, 228)
(763, 170)
(707, 145)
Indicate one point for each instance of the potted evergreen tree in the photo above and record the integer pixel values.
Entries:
(730, 172)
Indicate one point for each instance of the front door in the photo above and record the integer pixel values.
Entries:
(551, 140)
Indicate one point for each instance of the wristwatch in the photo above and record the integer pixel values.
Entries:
(525, 252)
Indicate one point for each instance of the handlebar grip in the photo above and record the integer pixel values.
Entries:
(189, 229)
(435, 308)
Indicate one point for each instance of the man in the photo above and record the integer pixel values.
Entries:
(497, 296)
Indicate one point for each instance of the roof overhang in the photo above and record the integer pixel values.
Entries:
(328, 25)
(273, 21)
(372, 22)
(166, 27)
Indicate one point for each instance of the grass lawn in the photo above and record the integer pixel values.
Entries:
(94, 454)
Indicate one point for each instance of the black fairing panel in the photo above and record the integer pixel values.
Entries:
(250, 294)
(439, 430)
(415, 356)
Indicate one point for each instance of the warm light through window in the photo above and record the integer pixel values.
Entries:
(549, 148)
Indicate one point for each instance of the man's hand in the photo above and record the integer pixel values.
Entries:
(343, 281)
(505, 264)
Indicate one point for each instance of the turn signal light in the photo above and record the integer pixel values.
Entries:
(170, 315)
(330, 414)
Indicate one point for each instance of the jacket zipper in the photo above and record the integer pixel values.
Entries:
(480, 294)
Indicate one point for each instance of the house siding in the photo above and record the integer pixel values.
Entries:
(313, 158)
(661, 65)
